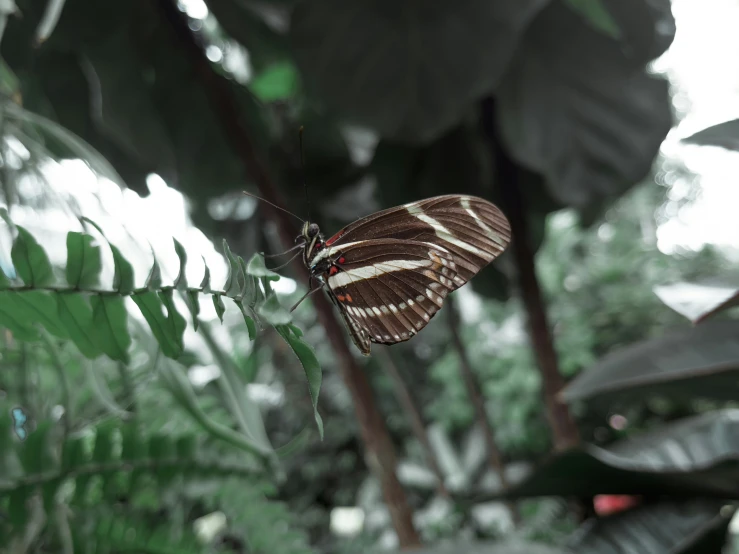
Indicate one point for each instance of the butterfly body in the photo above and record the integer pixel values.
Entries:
(389, 273)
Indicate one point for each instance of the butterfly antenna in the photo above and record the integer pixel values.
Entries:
(302, 169)
(273, 205)
(286, 263)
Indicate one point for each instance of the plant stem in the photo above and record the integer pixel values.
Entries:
(511, 178)
(414, 415)
(380, 452)
(474, 391)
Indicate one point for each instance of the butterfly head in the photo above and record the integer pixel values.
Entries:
(311, 238)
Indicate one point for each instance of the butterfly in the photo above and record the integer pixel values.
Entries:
(19, 421)
(388, 273)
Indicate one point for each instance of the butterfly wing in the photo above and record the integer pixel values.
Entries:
(473, 230)
(389, 289)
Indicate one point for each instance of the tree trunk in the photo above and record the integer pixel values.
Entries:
(380, 453)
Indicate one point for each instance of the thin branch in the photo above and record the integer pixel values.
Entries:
(474, 391)
(512, 179)
(414, 415)
(380, 450)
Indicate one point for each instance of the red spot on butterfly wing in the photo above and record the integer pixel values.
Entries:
(341, 297)
(333, 271)
(336, 237)
(348, 297)
(342, 260)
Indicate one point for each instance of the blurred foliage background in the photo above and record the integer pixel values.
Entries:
(579, 395)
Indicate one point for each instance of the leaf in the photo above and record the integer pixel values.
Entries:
(219, 305)
(693, 457)
(112, 67)
(695, 526)
(175, 320)
(257, 268)
(278, 82)
(244, 22)
(273, 313)
(250, 325)
(725, 135)
(698, 301)
(110, 326)
(193, 303)
(76, 316)
(84, 263)
(596, 14)
(310, 364)
(205, 283)
(409, 74)
(32, 307)
(180, 282)
(30, 260)
(10, 318)
(154, 280)
(164, 331)
(234, 270)
(692, 362)
(123, 281)
(583, 112)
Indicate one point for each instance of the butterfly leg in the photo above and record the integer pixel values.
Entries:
(307, 294)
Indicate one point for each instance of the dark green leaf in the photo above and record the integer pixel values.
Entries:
(31, 307)
(22, 327)
(583, 112)
(30, 260)
(110, 326)
(273, 313)
(234, 270)
(180, 282)
(692, 362)
(151, 306)
(693, 457)
(154, 280)
(409, 74)
(310, 364)
(219, 305)
(18, 508)
(4, 281)
(698, 301)
(84, 263)
(243, 21)
(205, 283)
(696, 526)
(193, 303)
(176, 322)
(123, 277)
(278, 82)
(250, 325)
(76, 316)
(725, 135)
(121, 84)
(596, 14)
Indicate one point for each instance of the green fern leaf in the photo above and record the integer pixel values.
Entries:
(110, 326)
(164, 331)
(180, 283)
(84, 262)
(76, 315)
(30, 260)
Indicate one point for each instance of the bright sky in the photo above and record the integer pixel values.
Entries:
(702, 66)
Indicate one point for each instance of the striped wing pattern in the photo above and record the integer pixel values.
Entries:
(392, 270)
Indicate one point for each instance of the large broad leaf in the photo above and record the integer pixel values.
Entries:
(725, 135)
(695, 526)
(695, 361)
(578, 107)
(410, 70)
(698, 301)
(694, 457)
